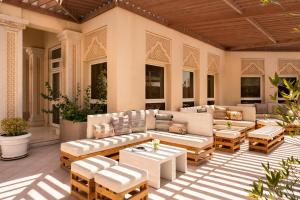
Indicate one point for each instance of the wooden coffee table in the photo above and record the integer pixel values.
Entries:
(242, 130)
(162, 163)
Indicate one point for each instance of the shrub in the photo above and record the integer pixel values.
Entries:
(14, 126)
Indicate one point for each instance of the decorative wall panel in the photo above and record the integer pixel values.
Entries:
(191, 57)
(11, 73)
(253, 66)
(213, 63)
(95, 44)
(289, 67)
(158, 48)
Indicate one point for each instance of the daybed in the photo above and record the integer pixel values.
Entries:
(198, 140)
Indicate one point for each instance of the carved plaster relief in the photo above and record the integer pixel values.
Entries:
(191, 57)
(95, 44)
(289, 67)
(253, 66)
(213, 63)
(158, 48)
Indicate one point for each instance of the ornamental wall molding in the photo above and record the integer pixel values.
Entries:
(95, 44)
(289, 67)
(251, 66)
(13, 22)
(213, 63)
(191, 57)
(158, 48)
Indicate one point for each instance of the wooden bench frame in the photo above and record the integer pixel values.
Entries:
(195, 155)
(138, 192)
(227, 144)
(66, 159)
(81, 187)
(265, 145)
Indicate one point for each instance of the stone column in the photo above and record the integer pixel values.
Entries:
(70, 64)
(11, 65)
(36, 83)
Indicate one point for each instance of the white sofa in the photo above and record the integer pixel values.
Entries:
(249, 114)
(199, 139)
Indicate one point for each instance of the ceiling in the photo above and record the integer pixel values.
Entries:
(236, 25)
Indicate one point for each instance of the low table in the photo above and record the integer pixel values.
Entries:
(162, 163)
(242, 130)
(227, 140)
(267, 122)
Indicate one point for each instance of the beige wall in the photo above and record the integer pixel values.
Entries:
(232, 73)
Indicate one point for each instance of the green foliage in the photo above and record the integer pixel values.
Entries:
(289, 112)
(72, 109)
(14, 126)
(279, 183)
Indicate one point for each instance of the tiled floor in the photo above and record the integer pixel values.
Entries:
(227, 176)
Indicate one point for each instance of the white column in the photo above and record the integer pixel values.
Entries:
(11, 66)
(36, 83)
(71, 52)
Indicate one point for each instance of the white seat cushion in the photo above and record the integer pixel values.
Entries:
(227, 133)
(120, 178)
(268, 122)
(266, 132)
(192, 140)
(248, 124)
(89, 166)
(87, 146)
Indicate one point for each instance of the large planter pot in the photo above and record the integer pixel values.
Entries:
(70, 131)
(14, 147)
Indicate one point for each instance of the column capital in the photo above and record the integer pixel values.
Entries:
(34, 51)
(13, 22)
(69, 34)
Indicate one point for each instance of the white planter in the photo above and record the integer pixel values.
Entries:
(14, 147)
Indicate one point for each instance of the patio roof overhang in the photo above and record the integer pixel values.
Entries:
(227, 24)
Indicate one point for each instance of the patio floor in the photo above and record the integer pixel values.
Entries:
(227, 176)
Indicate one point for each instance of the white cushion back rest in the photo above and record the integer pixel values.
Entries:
(99, 119)
(249, 112)
(197, 123)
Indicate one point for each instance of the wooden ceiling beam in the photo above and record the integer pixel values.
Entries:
(251, 21)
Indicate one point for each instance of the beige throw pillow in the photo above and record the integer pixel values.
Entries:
(235, 115)
(220, 113)
(178, 127)
(121, 125)
(103, 130)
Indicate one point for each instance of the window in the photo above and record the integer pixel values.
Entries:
(250, 90)
(282, 88)
(99, 86)
(210, 89)
(188, 88)
(155, 87)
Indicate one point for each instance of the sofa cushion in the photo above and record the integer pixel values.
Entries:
(202, 110)
(164, 116)
(234, 115)
(248, 124)
(87, 146)
(178, 127)
(121, 177)
(103, 130)
(268, 122)
(121, 125)
(220, 113)
(192, 140)
(261, 108)
(266, 132)
(137, 120)
(150, 119)
(89, 166)
(162, 125)
(226, 133)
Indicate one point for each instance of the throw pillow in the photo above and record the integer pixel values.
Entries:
(235, 115)
(178, 127)
(220, 113)
(150, 119)
(162, 125)
(137, 120)
(167, 117)
(121, 125)
(103, 130)
(202, 110)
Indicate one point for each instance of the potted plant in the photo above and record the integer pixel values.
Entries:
(73, 113)
(14, 139)
(229, 124)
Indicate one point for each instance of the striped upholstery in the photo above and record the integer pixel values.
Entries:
(121, 125)
(137, 120)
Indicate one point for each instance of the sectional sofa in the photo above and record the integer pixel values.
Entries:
(198, 140)
(248, 114)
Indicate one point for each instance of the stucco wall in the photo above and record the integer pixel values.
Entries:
(230, 87)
